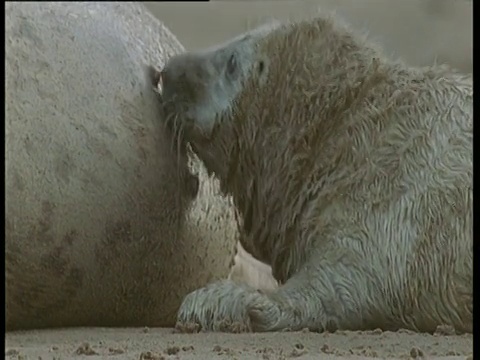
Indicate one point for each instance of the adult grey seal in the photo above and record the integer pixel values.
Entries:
(352, 174)
(104, 225)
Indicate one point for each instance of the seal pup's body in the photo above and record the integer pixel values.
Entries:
(352, 174)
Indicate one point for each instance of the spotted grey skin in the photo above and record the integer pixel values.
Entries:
(352, 174)
(105, 224)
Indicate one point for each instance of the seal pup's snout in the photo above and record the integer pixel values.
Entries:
(185, 84)
(183, 79)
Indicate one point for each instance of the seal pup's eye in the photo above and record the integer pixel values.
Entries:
(231, 65)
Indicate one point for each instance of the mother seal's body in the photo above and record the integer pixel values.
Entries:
(352, 173)
(104, 226)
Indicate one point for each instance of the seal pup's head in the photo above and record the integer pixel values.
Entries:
(200, 91)
(261, 85)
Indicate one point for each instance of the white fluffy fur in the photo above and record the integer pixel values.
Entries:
(353, 175)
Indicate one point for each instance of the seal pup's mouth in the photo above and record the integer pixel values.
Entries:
(189, 180)
(157, 80)
(172, 116)
(155, 77)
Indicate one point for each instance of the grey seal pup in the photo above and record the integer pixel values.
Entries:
(352, 174)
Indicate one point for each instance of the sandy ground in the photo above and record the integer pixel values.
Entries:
(156, 344)
(419, 35)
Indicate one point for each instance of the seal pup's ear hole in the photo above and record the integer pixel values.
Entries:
(261, 68)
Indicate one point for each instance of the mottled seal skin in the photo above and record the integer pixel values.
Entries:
(352, 174)
(105, 225)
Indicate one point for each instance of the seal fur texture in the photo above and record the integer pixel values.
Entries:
(352, 174)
